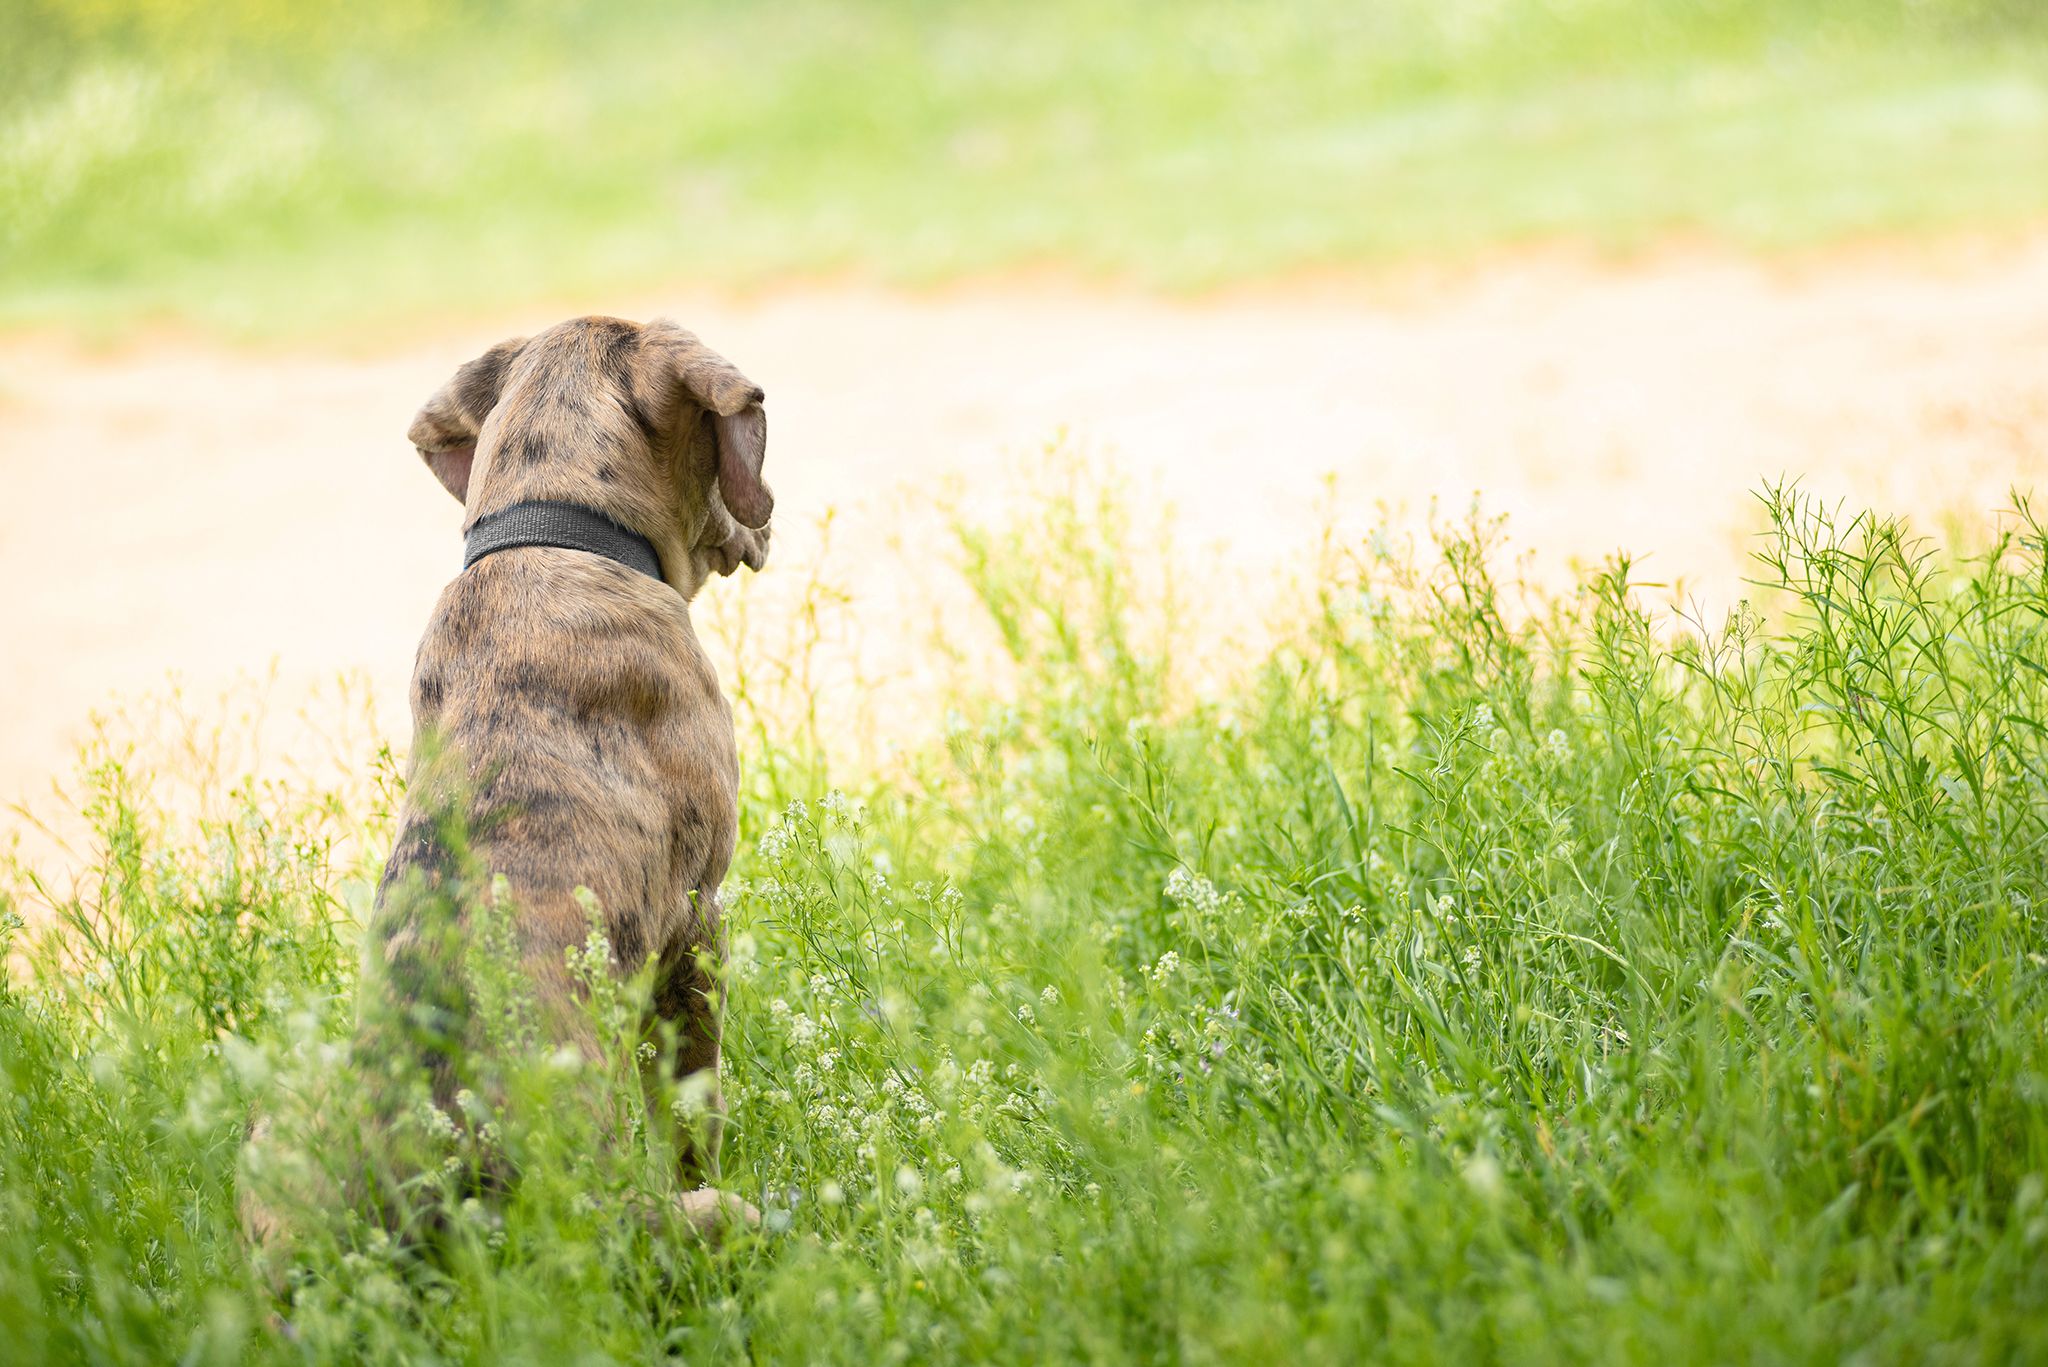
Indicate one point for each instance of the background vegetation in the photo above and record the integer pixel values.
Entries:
(258, 165)
(1480, 978)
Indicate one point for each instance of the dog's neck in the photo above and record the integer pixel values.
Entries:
(564, 526)
(602, 480)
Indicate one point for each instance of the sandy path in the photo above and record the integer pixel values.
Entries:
(178, 506)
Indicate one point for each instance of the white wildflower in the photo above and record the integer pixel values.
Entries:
(1482, 1174)
(1187, 889)
(436, 1121)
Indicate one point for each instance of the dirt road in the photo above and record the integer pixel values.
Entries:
(181, 507)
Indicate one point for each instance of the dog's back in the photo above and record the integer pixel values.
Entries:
(574, 736)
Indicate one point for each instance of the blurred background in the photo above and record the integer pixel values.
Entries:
(1608, 264)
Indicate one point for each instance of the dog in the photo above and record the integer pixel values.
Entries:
(569, 729)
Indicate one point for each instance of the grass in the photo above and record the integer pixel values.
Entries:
(261, 167)
(1479, 977)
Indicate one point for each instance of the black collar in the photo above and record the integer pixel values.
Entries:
(569, 526)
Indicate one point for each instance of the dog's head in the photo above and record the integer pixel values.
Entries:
(644, 423)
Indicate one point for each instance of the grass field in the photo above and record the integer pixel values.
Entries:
(1478, 978)
(260, 167)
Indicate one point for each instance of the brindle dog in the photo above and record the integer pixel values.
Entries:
(569, 728)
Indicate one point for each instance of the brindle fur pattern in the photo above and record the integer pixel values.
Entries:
(569, 731)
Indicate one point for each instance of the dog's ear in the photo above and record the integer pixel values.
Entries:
(446, 427)
(742, 446)
(734, 402)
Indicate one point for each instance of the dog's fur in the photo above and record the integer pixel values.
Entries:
(567, 721)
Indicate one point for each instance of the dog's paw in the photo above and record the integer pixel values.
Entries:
(712, 1214)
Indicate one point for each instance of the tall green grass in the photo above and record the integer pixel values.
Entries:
(265, 166)
(1478, 977)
